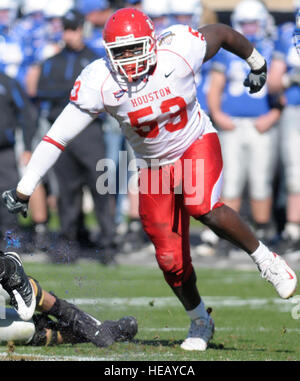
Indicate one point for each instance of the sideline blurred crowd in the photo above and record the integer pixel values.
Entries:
(44, 45)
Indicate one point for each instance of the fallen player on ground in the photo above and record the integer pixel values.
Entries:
(70, 324)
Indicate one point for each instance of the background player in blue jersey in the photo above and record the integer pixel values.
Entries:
(11, 50)
(246, 121)
(31, 30)
(297, 33)
(133, 3)
(194, 14)
(96, 13)
(284, 77)
(159, 12)
(16, 111)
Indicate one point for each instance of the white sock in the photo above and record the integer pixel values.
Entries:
(262, 255)
(198, 312)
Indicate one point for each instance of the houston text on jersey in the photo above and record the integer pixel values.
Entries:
(150, 97)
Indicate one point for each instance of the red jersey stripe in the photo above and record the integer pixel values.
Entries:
(50, 140)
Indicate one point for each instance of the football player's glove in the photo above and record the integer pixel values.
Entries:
(13, 203)
(256, 79)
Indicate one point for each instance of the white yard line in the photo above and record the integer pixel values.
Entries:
(220, 329)
(32, 356)
(4, 355)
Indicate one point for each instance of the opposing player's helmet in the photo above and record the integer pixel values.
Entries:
(8, 12)
(159, 12)
(58, 8)
(187, 12)
(8, 4)
(130, 30)
(33, 6)
(251, 18)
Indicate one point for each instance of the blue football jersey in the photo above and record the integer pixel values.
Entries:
(12, 56)
(236, 100)
(32, 32)
(202, 79)
(94, 42)
(285, 49)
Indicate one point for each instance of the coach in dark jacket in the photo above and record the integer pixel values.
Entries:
(77, 166)
(16, 110)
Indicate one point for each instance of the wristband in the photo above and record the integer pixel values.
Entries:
(256, 61)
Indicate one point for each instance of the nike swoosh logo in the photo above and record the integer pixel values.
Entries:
(291, 276)
(168, 75)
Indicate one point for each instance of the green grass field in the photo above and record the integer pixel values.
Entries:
(252, 323)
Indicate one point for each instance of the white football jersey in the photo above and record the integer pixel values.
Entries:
(159, 114)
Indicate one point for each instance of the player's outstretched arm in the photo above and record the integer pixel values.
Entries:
(67, 126)
(222, 36)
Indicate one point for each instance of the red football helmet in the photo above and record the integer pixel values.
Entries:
(129, 29)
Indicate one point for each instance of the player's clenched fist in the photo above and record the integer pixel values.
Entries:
(256, 79)
(258, 74)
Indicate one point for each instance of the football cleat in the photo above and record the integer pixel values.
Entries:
(124, 329)
(200, 333)
(280, 275)
(16, 283)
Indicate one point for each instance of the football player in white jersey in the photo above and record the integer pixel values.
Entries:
(148, 85)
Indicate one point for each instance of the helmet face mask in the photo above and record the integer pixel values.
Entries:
(130, 43)
(250, 28)
(139, 57)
